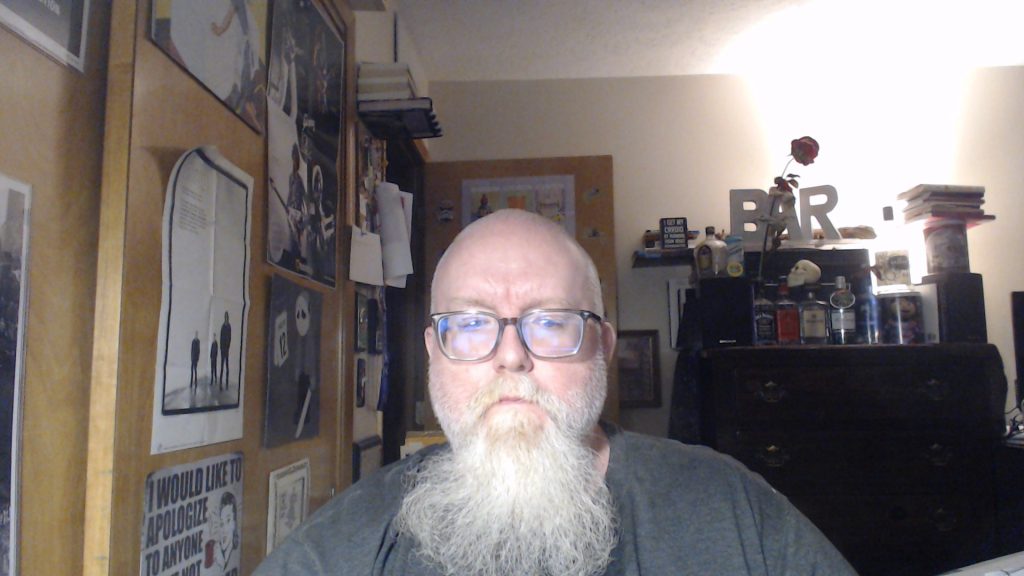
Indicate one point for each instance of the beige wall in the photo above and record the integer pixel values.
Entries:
(680, 143)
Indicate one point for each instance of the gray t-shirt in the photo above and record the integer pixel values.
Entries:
(682, 510)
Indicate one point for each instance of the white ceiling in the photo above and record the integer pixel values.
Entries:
(471, 40)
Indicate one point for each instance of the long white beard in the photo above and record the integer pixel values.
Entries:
(513, 499)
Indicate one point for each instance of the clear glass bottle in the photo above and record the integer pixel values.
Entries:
(787, 317)
(813, 318)
(842, 313)
(710, 255)
(891, 257)
(869, 329)
(764, 320)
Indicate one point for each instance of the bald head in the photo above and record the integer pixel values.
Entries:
(516, 246)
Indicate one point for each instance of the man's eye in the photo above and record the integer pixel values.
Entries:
(470, 323)
(550, 322)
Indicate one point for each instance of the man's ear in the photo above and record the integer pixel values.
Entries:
(428, 340)
(608, 338)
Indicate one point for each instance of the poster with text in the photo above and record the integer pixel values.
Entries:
(57, 27)
(304, 117)
(200, 359)
(553, 197)
(192, 519)
(223, 44)
(15, 199)
(293, 363)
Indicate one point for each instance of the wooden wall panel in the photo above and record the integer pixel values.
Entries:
(167, 112)
(51, 134)
(594, 212)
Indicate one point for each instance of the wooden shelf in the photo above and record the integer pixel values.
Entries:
(682, 259)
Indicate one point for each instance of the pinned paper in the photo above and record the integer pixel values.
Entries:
(365, 262)
(396, 224)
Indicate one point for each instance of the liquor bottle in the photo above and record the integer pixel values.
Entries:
(891, 257)
(764, 320)
(843, 313)
(869, 329)
(710, 255)
(813, 318)
(787, 317)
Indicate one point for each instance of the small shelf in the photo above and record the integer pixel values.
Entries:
(684, 258)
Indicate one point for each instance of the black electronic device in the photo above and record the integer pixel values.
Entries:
(726, 312)
(1017, 311)
(960, 297)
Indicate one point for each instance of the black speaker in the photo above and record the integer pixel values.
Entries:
(1017, 307)
(961, 306)
(726, 312)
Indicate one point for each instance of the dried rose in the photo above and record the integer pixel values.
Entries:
(804, 150)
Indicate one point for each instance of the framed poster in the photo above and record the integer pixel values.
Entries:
(57, 28)
(553, 197)
(288, 501)
(222, 43)
(200, 361)
(293, 363)
(305, 112)
(639, 372)
(15, 201)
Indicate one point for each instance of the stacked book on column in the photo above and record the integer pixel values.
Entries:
(388, 105)
(930, 201)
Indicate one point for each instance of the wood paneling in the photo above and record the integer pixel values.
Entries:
(156, 113)
(51, 133)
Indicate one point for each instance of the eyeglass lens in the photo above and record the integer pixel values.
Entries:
(546, 333)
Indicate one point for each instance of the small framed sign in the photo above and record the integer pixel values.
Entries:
(673, 234)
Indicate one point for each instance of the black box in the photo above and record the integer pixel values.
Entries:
(960, 297)
(726, 312)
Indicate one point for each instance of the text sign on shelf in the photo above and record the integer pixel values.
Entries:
(673, 233)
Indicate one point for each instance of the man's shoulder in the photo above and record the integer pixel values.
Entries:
(642, 451)
(352, 527)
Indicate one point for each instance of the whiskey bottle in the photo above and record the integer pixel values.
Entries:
(764, 320)
(787, 317)
(813, 318)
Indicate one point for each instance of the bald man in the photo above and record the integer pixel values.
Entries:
(531, 481)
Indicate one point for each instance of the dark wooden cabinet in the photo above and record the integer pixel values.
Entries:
(889, 450)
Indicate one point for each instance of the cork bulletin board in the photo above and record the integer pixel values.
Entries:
(593, 207)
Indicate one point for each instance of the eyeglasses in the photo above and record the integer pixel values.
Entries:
(470, 335)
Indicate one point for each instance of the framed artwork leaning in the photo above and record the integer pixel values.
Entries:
(639, 371)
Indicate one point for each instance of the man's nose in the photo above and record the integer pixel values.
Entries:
(511, 354)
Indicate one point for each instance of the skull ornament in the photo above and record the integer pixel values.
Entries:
(804, 272)
(302, 314)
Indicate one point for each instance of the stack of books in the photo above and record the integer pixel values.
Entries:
(388, 105)
(384, 81)
(928, 201)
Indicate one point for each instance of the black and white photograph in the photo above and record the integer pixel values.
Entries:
(58, 29)
(222, 43)
(304, 116)
(15, 201)
(293, 363)
(362, 316)
(205, 302)
(288, 503)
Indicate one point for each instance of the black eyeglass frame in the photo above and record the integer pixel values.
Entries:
(436, 318)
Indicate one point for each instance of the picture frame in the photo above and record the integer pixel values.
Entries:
(288, 501)
(638, 369)
(375, 330)
(367, 456)
(362, 322)
(59, 30)
(360, 382)
(674, 234)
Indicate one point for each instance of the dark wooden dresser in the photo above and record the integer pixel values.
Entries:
(889, 450)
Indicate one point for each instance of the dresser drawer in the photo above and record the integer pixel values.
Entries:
(890, 463)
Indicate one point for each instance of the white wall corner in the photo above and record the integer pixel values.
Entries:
(374, 36)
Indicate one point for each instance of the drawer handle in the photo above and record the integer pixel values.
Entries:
(773, 456)
(936, 389)
(940, 455)
(771, 392)
(945, 521)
